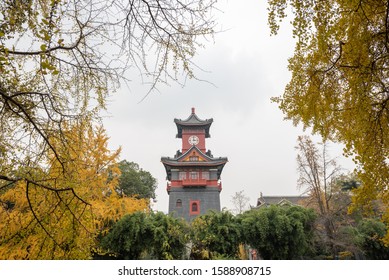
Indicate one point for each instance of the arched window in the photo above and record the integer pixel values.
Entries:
(194, 207)
(178, 203)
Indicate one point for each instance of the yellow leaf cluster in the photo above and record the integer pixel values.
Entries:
(60, 214)
(339, 85)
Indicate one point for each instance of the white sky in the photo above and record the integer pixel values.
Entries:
(248, 66)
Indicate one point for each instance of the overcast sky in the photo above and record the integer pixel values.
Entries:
(247, 66)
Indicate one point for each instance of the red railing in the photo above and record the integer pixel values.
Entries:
(194, 182)
(188, 183)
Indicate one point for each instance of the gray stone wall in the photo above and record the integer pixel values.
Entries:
(209, 198)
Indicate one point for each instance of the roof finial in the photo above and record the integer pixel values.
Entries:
(193, 110)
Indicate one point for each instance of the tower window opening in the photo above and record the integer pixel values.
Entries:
(205, 175)
(182, 175)
(194, 207)
(194, 175)
(178, 203)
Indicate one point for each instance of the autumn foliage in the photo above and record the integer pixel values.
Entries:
(57, 212)
(339, 83)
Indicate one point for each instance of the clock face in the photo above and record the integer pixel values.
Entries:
(193, 140)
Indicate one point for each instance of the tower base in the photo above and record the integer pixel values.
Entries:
(188, 203)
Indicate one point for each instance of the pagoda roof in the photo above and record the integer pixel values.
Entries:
(204, 161)
(193, 121)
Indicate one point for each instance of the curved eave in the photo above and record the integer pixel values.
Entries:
(194, 163)
(194, 148)
(193, 122)
(172, 163)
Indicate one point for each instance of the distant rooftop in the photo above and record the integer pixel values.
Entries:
(280, 200)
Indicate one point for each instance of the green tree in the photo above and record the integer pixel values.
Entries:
(134, 181)
(339, 85)
(169, 237)
(215, 235)
(279, 232)
(367, 236)
(128, 237)
(147, 236)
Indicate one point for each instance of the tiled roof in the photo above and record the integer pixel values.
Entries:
(215, 162)
(193, 121)
(280, 200)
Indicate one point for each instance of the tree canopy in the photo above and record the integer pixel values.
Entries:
(57, 215)
(147, 236)
(134, 181)
(279, 232)
(215, 235)
(366, 239)
(339, 85)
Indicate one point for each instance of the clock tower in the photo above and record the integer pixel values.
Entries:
(193, 174)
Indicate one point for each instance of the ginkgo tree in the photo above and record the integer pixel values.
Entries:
(59, 60)
(339, 85)
(57, 214)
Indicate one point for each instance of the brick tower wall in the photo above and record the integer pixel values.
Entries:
(208, 198)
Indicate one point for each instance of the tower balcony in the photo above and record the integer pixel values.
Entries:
(193, 183)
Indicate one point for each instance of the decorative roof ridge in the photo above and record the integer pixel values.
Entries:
(193, 116)
(193, 121)
(194, 147)
(210, 159)
(201, 153)
(214, 163)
